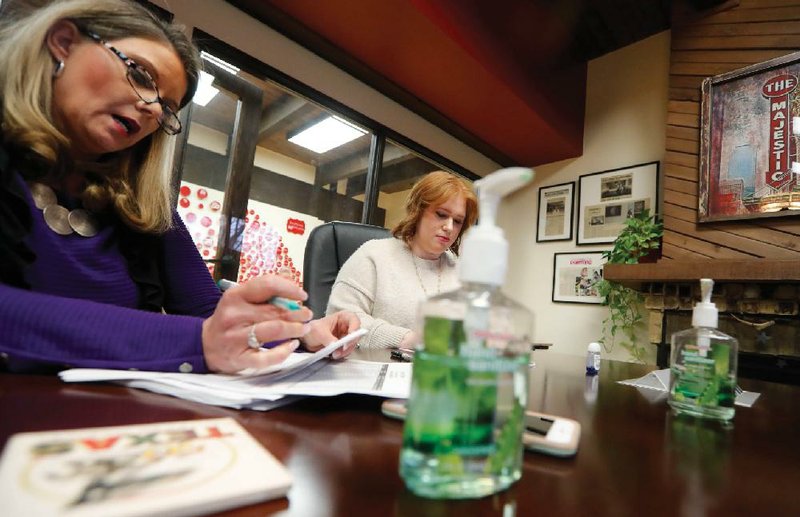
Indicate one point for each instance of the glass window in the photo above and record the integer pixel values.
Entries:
(262, 167)
(400, 169)
(266, 159)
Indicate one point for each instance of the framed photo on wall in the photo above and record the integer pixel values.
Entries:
(746, 142)
(607, 198)
(575, 276)
(556, 204)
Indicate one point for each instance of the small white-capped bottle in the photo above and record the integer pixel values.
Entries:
(593, 359)
(703, 364)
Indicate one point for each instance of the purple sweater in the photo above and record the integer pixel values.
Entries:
(81, 308)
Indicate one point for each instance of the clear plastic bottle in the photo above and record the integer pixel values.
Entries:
(703, 364)
(463, 431)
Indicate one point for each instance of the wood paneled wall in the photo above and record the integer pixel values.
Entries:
(750, 32)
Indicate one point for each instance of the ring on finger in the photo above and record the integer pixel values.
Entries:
(252, 340)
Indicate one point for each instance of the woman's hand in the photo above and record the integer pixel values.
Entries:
(225, 333)
(409, 340)
(330, 328)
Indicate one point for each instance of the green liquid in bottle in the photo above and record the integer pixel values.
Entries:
(703, 370)
(463, 430)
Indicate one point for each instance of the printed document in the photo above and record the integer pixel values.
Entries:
(300, 375)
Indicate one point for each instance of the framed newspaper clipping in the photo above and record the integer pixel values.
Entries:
(607, 198)
(575, 277)
(556, 204)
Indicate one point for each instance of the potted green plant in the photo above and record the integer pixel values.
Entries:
(641, 234)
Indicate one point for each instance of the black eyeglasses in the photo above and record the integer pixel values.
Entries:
(144, 86)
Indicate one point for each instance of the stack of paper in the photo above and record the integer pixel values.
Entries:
(299, 375)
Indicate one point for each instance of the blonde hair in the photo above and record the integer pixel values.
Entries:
(434, 190)
(134, 181)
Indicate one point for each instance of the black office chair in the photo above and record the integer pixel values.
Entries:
(327, 249)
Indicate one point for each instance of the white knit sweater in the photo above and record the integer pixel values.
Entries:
(381, 284)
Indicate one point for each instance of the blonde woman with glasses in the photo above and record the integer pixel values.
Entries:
(96, 269)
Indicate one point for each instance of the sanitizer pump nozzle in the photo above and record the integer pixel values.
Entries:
(705, 313)
(484, 255)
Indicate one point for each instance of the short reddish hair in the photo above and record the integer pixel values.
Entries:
(434, 190)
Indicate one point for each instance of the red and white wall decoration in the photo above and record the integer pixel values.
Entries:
(274, 239)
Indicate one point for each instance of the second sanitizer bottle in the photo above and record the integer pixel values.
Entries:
(703, 364)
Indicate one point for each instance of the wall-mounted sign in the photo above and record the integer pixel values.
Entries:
(747, 144)
(297, 226)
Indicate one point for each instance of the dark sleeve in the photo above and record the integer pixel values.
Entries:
(190, 290)
(44, 329)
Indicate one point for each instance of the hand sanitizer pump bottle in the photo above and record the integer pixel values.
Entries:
(703, 364)
(463, 431)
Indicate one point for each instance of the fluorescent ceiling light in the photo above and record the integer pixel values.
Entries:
(205, 91)
(327, 134)
(219, 62)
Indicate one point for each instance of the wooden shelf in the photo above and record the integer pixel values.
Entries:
(754, 270)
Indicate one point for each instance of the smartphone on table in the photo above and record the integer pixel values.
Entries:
(551, 434)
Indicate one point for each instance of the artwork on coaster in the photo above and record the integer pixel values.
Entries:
(748, 143)
(607, 198)
(555, 212)
(575, 277)
(187, 467)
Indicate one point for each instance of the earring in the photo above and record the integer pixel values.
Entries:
(59, 69)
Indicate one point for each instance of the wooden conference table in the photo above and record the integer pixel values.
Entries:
(635, 458)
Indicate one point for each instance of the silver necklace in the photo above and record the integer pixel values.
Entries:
(419, 277)
(58, 218)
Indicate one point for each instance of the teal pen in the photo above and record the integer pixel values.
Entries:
(277, 301)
